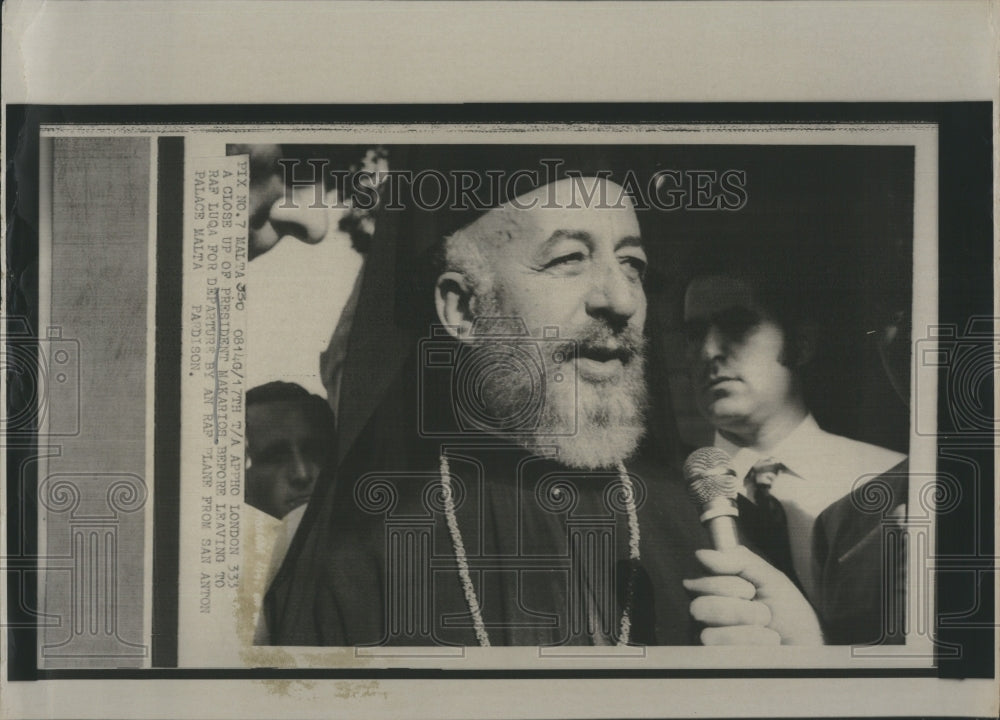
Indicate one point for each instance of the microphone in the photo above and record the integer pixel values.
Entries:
(712, 487)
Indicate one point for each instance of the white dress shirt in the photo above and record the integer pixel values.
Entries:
(820, 469)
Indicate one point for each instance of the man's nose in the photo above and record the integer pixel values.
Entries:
(713, 345)
(302, 212)
(302, 470)
(614, 294)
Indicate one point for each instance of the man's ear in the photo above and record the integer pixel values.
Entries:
(452, 298)
(807, 339)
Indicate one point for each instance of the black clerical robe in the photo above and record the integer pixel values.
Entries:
(374, 561)
(547, 549)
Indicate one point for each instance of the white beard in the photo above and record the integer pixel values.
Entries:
(609, 419)
(592, 424)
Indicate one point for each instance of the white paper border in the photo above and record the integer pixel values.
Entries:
(59, 52)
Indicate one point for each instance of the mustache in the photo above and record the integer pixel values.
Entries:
(603, 342)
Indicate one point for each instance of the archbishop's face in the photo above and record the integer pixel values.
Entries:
(574, 263)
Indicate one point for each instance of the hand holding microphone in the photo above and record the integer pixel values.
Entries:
(746, 601)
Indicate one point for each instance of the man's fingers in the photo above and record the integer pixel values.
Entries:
(788, 612)
(740, 561)
(740, 635)
(718, 611)
(726, 585)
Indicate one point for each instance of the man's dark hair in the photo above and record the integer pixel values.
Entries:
(798, 294)
(315, 408)
(790, 302)
(784, 284)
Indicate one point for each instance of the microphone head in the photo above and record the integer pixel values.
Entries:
(712, 482)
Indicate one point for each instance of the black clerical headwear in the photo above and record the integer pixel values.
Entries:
(432, 191)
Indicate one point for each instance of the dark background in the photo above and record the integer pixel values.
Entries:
(841, 218)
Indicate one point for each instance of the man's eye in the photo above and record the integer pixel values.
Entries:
(272, 456)
(636, 266)
(737, 321)
(695, 330)
(566, 260)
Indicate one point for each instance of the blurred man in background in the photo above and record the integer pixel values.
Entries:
(753, 331)
(289, 432)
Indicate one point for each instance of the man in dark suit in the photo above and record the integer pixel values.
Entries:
(754, 330)
(859, 547)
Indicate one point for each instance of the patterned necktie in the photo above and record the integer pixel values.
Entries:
(768, 528)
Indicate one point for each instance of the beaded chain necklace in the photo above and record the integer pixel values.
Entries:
(472, 601)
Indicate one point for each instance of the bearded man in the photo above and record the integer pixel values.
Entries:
(518, 511)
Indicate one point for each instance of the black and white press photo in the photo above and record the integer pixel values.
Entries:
(536, 338)
(499, 359)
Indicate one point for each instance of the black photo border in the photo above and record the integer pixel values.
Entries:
(965, 538)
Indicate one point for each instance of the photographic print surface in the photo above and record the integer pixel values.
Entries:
(437, 394)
